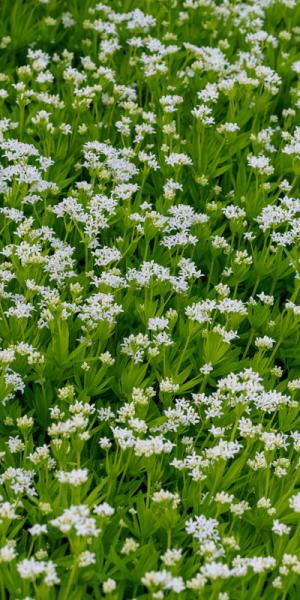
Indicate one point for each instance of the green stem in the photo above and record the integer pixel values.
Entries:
(70, 583)
(148, 489)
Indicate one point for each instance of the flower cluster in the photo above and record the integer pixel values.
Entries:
(149, 299)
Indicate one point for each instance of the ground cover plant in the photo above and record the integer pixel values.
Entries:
(149, 280)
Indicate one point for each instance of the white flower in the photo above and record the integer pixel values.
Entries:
(86, 558)
(206, 369)
(130, 545)
(104, 510)
(166, 496)
(8, 551)
(166, 385)
(294, 502)
(280, 528)
(175, 159)
(109, 586)
(75, 477)
(264, 342)
(38, 529)
(260, 163)
(171, 556)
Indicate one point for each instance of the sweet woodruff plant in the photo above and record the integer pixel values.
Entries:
(149, 300)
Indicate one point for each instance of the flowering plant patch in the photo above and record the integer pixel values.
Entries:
(149, 299)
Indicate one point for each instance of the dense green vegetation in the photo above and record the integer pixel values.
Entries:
(149, 299)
